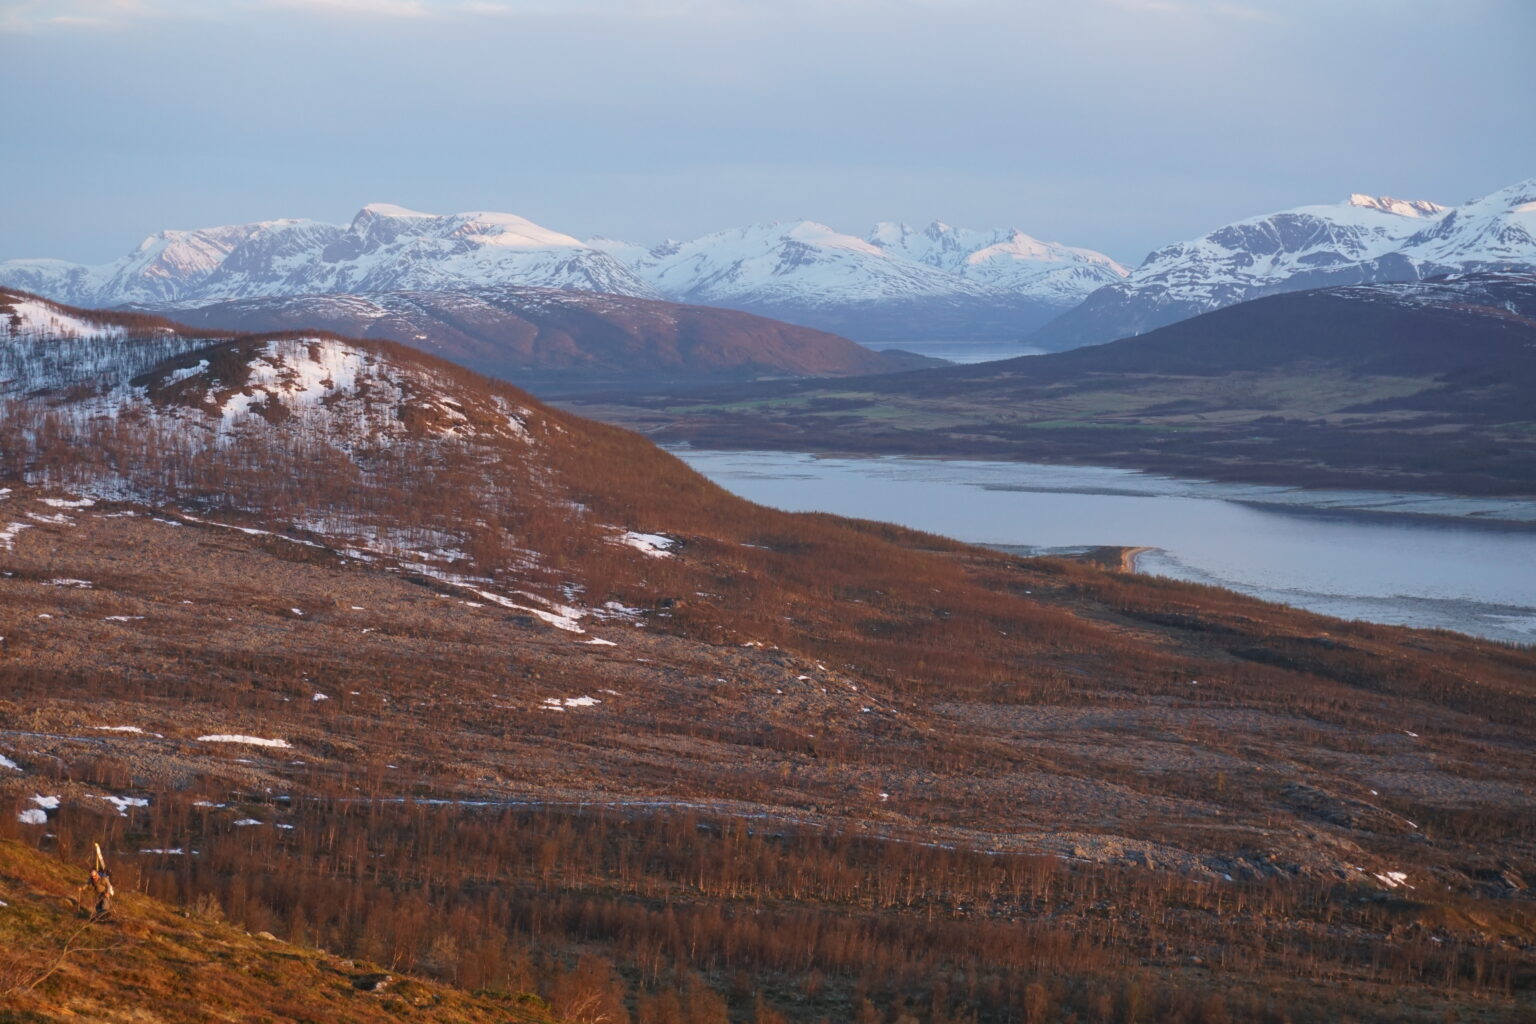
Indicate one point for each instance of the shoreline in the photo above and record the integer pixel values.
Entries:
(1129, 555)
(1113, 557)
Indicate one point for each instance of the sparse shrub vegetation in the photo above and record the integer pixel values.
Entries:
(789, 890)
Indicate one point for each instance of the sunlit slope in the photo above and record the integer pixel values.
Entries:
(158, 964)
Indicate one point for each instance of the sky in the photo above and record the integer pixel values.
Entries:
(1120, 125)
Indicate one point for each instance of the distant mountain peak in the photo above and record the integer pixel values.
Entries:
(385, 248)
(1364, 240)
(391, 210)
(1401, 207)
(800, 230)
(1517, 198)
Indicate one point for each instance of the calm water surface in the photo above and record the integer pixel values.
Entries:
(1452, 563)
(961, 351)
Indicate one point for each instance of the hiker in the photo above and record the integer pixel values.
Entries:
(101, 885)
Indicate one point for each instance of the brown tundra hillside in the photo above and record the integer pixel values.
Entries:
(377, 655)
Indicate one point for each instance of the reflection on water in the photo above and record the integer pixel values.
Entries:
(1452, 563)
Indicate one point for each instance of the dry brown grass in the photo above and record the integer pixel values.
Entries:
(836, 703)
(149, 962)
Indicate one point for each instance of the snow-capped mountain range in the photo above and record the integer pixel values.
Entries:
(1362, 240)
(385, 248)
(795, 264)
(897, 282)
(1007, 261)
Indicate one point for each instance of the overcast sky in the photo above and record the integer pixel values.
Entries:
(1115, 124)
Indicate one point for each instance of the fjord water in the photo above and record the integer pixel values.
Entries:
(1417, 560)
(960, 351)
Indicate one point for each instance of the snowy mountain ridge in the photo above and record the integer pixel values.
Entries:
(895, 283)
(816, 264)
(1363, 240)
(1401, 207)
(788, 261)
(384, 248)
(1004, 260)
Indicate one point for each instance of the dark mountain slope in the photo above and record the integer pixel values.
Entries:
(1425, 386)
(560, 341)
(1443, 327)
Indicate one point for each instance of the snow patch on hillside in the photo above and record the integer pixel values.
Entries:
(654, 544)
(122, 803)
(252, 741)
(562, 703)
(31, 318)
